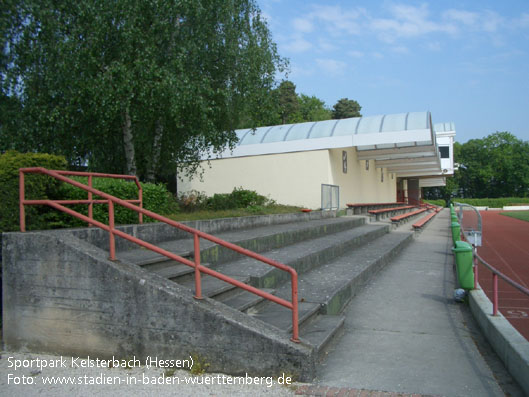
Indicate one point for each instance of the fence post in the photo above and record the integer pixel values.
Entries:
(295, 314)
(198, 287)
(495, 294)
(91, 204)
(21, 198)
(111, 226)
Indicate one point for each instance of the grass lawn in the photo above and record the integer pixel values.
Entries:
(200, 215)
(522, 215)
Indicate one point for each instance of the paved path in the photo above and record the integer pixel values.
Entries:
(405, 334)
(505, 246)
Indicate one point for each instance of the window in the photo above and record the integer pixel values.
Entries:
(444, 151)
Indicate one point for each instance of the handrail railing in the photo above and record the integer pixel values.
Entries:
(197, 234)
(90, 201)
(495, 274)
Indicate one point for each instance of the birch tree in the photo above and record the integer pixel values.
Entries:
(133, 86)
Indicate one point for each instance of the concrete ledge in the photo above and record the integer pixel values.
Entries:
(506, 341)
(516, 208)
(62, 296)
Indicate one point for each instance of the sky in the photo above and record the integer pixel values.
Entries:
(466, 62)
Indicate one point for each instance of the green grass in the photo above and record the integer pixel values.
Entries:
(522, 215)
(208, 214)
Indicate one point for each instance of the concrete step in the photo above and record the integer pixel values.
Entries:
(321, 331)
(257, 239)
(243, 300)
(302, 256)
(213, 287)
(325, 291)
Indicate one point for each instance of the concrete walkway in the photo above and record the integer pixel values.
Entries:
(405, 334)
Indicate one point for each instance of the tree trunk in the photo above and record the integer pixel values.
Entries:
(156, 150)
(128, 144)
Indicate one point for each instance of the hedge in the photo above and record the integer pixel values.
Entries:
(493, 202)
(155, 196)
(37, 187)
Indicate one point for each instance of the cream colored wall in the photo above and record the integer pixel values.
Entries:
(296, 178)
(288, 178)
(359, 185)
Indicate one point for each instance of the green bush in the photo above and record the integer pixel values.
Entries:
(156, 198)
(239, 198)
(494, 202)
(36, 187)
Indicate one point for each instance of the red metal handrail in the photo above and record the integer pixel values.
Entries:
(90, 201)
(197, 234)
(495, 274)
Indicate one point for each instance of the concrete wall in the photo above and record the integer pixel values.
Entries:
(509, 344)
(296, 178)
(62, 296)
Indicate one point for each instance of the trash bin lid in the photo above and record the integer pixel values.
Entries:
(462, 246)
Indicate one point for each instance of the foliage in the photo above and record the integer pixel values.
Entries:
(440, 202)
(250, 211)
(156, 198)
(346, 108)
(288, 101)
(493, 202)
(311, 109)
(36, 186)
(521, 215)
(133, 86)
(239, 198)
(495, 166)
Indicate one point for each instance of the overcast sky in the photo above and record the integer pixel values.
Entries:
(464, 61)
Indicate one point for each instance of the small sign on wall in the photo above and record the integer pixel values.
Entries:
(344, 161)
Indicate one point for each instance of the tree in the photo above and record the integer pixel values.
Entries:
(134, 86)
(492, 167)
(288, 101)
(312, 109)
(346, 108)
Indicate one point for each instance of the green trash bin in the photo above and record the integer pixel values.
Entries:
(465, 273)
(456, 232)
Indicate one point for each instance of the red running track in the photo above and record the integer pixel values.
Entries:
(506, 247)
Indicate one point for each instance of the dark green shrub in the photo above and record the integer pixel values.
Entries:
(156, 198)
(36, 187)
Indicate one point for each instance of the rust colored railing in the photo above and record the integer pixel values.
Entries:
(495, 274)
(197, 235)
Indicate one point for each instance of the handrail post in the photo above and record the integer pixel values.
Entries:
(21, 199)
(91, 204)
(198, 286)
(140, 197)
(495, 294)
(295, 313)
(111, 226)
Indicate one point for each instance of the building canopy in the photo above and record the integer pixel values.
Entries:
(404, 143)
